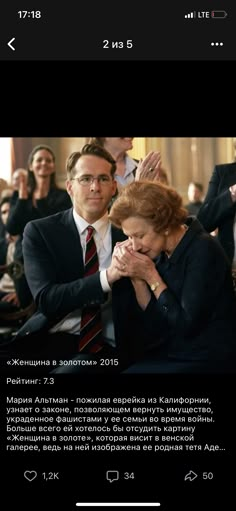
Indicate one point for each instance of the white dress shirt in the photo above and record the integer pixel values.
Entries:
(128, 176)
(102, 237)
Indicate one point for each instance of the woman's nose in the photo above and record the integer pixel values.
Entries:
(136, 244)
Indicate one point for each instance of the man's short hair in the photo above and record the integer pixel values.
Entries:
(91, 150)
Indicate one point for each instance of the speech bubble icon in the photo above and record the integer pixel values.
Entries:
(30, 475)
(112, 475)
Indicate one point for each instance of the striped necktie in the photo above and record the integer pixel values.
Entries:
(91, 340)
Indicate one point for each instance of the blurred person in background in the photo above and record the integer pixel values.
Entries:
(8, 297)
(36, 193)
(195, 192)
(3, 189)
(218, 210)
(129, 169)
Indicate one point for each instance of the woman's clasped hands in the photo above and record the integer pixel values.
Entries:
(131, 263)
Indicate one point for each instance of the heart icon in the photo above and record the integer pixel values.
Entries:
(30, 475)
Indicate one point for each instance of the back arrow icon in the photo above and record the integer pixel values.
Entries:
(10, 45)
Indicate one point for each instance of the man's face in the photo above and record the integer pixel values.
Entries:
(113, 145)
(5, 208)
(194, 194)
(91, 200)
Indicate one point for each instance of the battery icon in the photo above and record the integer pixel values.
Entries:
(218, 14)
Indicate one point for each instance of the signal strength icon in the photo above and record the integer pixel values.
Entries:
(190, 15)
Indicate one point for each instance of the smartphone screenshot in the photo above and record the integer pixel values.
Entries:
(140, 416)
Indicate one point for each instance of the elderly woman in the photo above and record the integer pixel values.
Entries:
(177, 289)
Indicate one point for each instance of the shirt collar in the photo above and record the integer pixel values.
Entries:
(100, 225)
(130, 166)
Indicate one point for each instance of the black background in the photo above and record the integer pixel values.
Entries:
(159, 477)
(76, 31)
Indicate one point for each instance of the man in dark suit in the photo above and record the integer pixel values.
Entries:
(219, 207)
(54, 252)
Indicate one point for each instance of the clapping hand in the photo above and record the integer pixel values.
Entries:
(149, 167)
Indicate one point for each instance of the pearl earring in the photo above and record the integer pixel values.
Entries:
(166, 233)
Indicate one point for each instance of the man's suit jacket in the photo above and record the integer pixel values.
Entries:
(218, 210)
(54, 269)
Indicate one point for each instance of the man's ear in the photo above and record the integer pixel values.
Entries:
(69, 187)
(114, 191)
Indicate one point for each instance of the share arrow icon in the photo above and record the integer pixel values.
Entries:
(190, 476)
